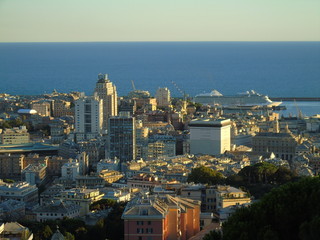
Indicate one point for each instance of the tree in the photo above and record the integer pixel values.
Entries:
(287, 212)
(47, 232)
(205, 175)
(213, 235)
(102, 204)
(68, 236)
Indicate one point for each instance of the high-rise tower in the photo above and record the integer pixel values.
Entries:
(122, 137)
(107, 91)
(88, 118)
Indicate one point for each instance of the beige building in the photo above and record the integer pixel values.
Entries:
(111, 176)
(229, 196)
(14, 135)
(81, 197)
(42, 108)
(107, 91)
(163, 97)
(62, 108)
(282, 144)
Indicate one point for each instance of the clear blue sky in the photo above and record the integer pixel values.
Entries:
(159, 20)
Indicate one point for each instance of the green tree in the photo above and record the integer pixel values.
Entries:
(205, 175)
(68, 236)
(47, 232)
(102, 204)
(290, 211)
(213, 235)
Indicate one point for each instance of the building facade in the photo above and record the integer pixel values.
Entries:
(122, 138)
(107, 92)
(160, 218)
(163, 97)
(210, 136)
(88, 118)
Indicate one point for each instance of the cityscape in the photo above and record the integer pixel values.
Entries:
(144, 162)
(159, 120)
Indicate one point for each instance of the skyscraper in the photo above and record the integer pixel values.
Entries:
(107, 91)
(122, 137)
(88, 118)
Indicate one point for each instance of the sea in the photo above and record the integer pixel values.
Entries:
(276, 69)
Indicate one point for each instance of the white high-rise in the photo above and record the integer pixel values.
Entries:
(88, 118)
(209, 136)
(163, 97)
(107, 91)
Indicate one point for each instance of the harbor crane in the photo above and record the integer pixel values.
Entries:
(183, 93)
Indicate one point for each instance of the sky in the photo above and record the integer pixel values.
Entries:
(159, 20)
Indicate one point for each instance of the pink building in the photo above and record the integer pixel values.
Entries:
(161, 218)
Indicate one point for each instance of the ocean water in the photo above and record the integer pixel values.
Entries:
(307, 108)
(277, 69)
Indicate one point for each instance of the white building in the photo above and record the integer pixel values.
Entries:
(107, 92)
(163, 97)
(88, 118)
(210, 136)
(70, 170)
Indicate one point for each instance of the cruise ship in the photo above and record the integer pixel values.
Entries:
(249, 98)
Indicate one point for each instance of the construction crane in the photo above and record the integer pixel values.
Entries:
(183, 93)
(133, 86)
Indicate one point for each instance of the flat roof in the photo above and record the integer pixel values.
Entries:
(209, 122)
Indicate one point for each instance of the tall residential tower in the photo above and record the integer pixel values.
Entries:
(88, 118)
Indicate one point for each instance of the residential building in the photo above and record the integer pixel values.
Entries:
(110, 176)
(43, 108)
(158, 218)
(163, 97)
(229, 196)
(35, 174)
(11, 166)
(47, 195)
(88, 118)
(70, 170)
(20, 191)
(57, 210)
(122, 137)
(143, 181)
(16, 135)
(81, 197)
(62, 108)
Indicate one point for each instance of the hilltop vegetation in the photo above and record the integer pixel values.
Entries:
(291, 211)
